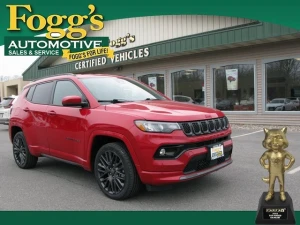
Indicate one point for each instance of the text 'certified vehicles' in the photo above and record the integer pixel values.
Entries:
(125, 132)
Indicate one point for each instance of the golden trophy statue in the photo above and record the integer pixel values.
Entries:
(275, 207)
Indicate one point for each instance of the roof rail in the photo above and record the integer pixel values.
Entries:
(54, 75)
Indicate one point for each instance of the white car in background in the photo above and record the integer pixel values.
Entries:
(5, 107)
(281, 104)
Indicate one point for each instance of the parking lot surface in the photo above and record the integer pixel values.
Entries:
(54, 185)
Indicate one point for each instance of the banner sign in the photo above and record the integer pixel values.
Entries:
(117, 57)
(232, 79)
(152, 82)
(71, 43)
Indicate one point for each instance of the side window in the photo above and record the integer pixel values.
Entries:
(63, 89)
(42, 93)
(30, 93)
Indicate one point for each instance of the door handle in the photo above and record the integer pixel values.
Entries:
(26, 109)
(51, 113)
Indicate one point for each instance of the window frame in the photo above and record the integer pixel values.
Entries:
(35, 85)
(212, 84)
(264, 83)
(164, 72)
(54, 88)
(178, 69)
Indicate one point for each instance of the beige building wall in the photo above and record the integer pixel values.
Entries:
(256, 55)
(12, 87)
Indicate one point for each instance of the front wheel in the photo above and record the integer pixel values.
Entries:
(115, 172)
(21, 153)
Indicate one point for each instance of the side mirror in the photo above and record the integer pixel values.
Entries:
(73, 101)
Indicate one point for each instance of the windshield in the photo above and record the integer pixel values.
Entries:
(114, 88)
(6, 101)
(277, 101)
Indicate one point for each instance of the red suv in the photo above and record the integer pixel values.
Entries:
(125, 132)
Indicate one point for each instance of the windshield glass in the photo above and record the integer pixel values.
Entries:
(6, 101)
(111, 88)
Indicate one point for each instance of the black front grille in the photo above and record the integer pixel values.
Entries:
(201, 162)
(196, 128)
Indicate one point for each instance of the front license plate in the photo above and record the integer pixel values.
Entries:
(216, 151)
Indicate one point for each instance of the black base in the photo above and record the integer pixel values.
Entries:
(275, 211)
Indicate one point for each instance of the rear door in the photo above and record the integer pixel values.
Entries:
(36, 119)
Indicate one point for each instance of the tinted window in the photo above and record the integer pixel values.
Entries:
(188, 85)
(30, 93)
(63, 89)
(42, 93)
(282, 79)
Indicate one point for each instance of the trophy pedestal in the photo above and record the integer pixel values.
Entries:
(275, 211)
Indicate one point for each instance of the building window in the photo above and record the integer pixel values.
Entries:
(282, 79)
(155, 80)
(188, 86)
(234, 87)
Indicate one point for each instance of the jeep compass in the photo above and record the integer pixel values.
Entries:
(122, 130)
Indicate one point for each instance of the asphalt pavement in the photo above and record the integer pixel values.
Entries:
(54, 185)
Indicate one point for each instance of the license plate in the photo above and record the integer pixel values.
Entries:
(216, 151)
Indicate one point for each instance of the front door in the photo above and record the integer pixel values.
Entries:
(67, 124)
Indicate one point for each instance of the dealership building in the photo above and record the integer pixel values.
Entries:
(248, 69)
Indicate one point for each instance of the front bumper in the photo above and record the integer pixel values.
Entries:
(191, 164)
(4, 121)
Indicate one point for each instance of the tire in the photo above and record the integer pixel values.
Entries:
(21, 153)
(115, 172)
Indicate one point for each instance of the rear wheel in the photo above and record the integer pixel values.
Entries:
(115, 172)
(21, 153)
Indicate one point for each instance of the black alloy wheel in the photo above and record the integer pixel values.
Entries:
(115, 172)
(21, 153)
(111, 172)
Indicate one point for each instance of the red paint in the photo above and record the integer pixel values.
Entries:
(68, 132)
(71, 101)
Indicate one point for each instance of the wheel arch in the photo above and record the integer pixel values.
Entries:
(14, 130)
(98, 139)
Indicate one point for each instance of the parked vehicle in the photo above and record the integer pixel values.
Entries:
(122, 130)
(5, 107)
(295, 101)
(280, 104)
(225, 104)
(183, 98)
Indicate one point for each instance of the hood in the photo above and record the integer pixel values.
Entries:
(161, 110)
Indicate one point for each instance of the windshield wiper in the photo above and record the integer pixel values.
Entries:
(115, 100)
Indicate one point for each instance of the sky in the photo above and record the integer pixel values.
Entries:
(14, 65)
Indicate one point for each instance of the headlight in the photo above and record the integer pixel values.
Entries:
(160, 127)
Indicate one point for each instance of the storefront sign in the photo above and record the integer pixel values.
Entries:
(232, 79)
(118, 57)
(122, 41)
(71, 43)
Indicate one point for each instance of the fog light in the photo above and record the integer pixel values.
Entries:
(168, 152)
(162, 152)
